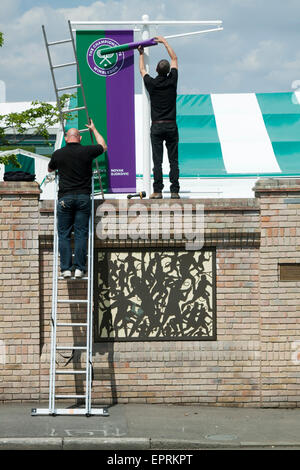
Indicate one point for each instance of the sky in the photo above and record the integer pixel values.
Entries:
(258, 50)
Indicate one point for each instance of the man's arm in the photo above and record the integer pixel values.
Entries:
(173, 56)
(143, 70)
(99, 139)
(53, 165)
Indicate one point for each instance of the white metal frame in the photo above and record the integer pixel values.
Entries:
(145, 24)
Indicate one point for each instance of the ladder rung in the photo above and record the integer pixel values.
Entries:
(72, 110)
(68, 87)
(70, 324)
(59, 42)
(69, 396)
(70, 347)
(73, 278)
(64, 65)
(72, 301)
(69, 412)
(83, 130)
(61, 372)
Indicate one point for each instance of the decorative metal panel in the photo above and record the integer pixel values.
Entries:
(155, 295)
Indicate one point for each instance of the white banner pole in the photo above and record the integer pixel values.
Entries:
(146, 115)
(195, 32)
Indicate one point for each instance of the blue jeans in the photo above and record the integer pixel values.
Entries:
(73, 210)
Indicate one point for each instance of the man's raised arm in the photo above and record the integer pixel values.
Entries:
(170, 50)
(143, 70)
(99, 139)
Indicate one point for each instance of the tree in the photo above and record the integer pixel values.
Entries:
(1, 39)
(38, 118)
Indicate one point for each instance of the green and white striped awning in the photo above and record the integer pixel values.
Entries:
(223, 135)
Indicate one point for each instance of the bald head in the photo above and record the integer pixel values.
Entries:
(73, 135)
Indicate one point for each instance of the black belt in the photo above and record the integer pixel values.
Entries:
(161, 122)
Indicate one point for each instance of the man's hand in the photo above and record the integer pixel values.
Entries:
(91, 126)
(50, 177)
(99, 139)
(141, 50)
(160, 39)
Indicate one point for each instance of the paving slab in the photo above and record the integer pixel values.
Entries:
(138, 426)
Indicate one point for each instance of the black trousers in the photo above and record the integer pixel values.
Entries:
(160, 133)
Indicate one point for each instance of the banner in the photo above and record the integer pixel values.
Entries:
(239, 134)
(108, 83)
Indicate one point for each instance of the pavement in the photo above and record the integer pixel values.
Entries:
(151, 427)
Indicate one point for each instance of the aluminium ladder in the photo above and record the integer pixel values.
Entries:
(88, 324)
(63, 112)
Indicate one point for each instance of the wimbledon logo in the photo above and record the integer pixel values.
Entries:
(104, 65)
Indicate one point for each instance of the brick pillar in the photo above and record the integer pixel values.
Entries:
(19, 291)
(279, 300)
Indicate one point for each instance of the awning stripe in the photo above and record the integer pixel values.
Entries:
(245, 143)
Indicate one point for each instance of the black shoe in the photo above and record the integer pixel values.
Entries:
(156, 196)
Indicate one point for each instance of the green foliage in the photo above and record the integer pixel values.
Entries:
(10, 159)
(1, 39)
(39, 118)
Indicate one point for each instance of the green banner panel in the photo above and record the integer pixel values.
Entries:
(95, 94)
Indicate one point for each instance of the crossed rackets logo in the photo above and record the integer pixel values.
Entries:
(104, 65)
(106, 61)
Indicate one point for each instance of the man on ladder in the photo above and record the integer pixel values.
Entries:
(74, 165)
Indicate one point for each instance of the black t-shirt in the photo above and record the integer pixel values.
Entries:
(162, 91)
(74, 165)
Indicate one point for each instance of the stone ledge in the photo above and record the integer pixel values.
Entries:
(250, 239)
(19, 187)
(165, 205)
(211, 240)
(277, 185)
(210, 205)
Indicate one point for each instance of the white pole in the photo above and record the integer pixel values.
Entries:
(88, 23)
(195, 32)
(146, 115)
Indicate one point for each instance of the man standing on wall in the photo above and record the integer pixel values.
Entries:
(74, 165)
(163, 91)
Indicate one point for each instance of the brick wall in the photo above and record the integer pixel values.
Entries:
(252, 363)
(279, 300)
(19, 291)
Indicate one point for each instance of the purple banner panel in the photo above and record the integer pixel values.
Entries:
(120, 119)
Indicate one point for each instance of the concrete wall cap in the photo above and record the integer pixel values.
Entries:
(19, 187)
(277, 185)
